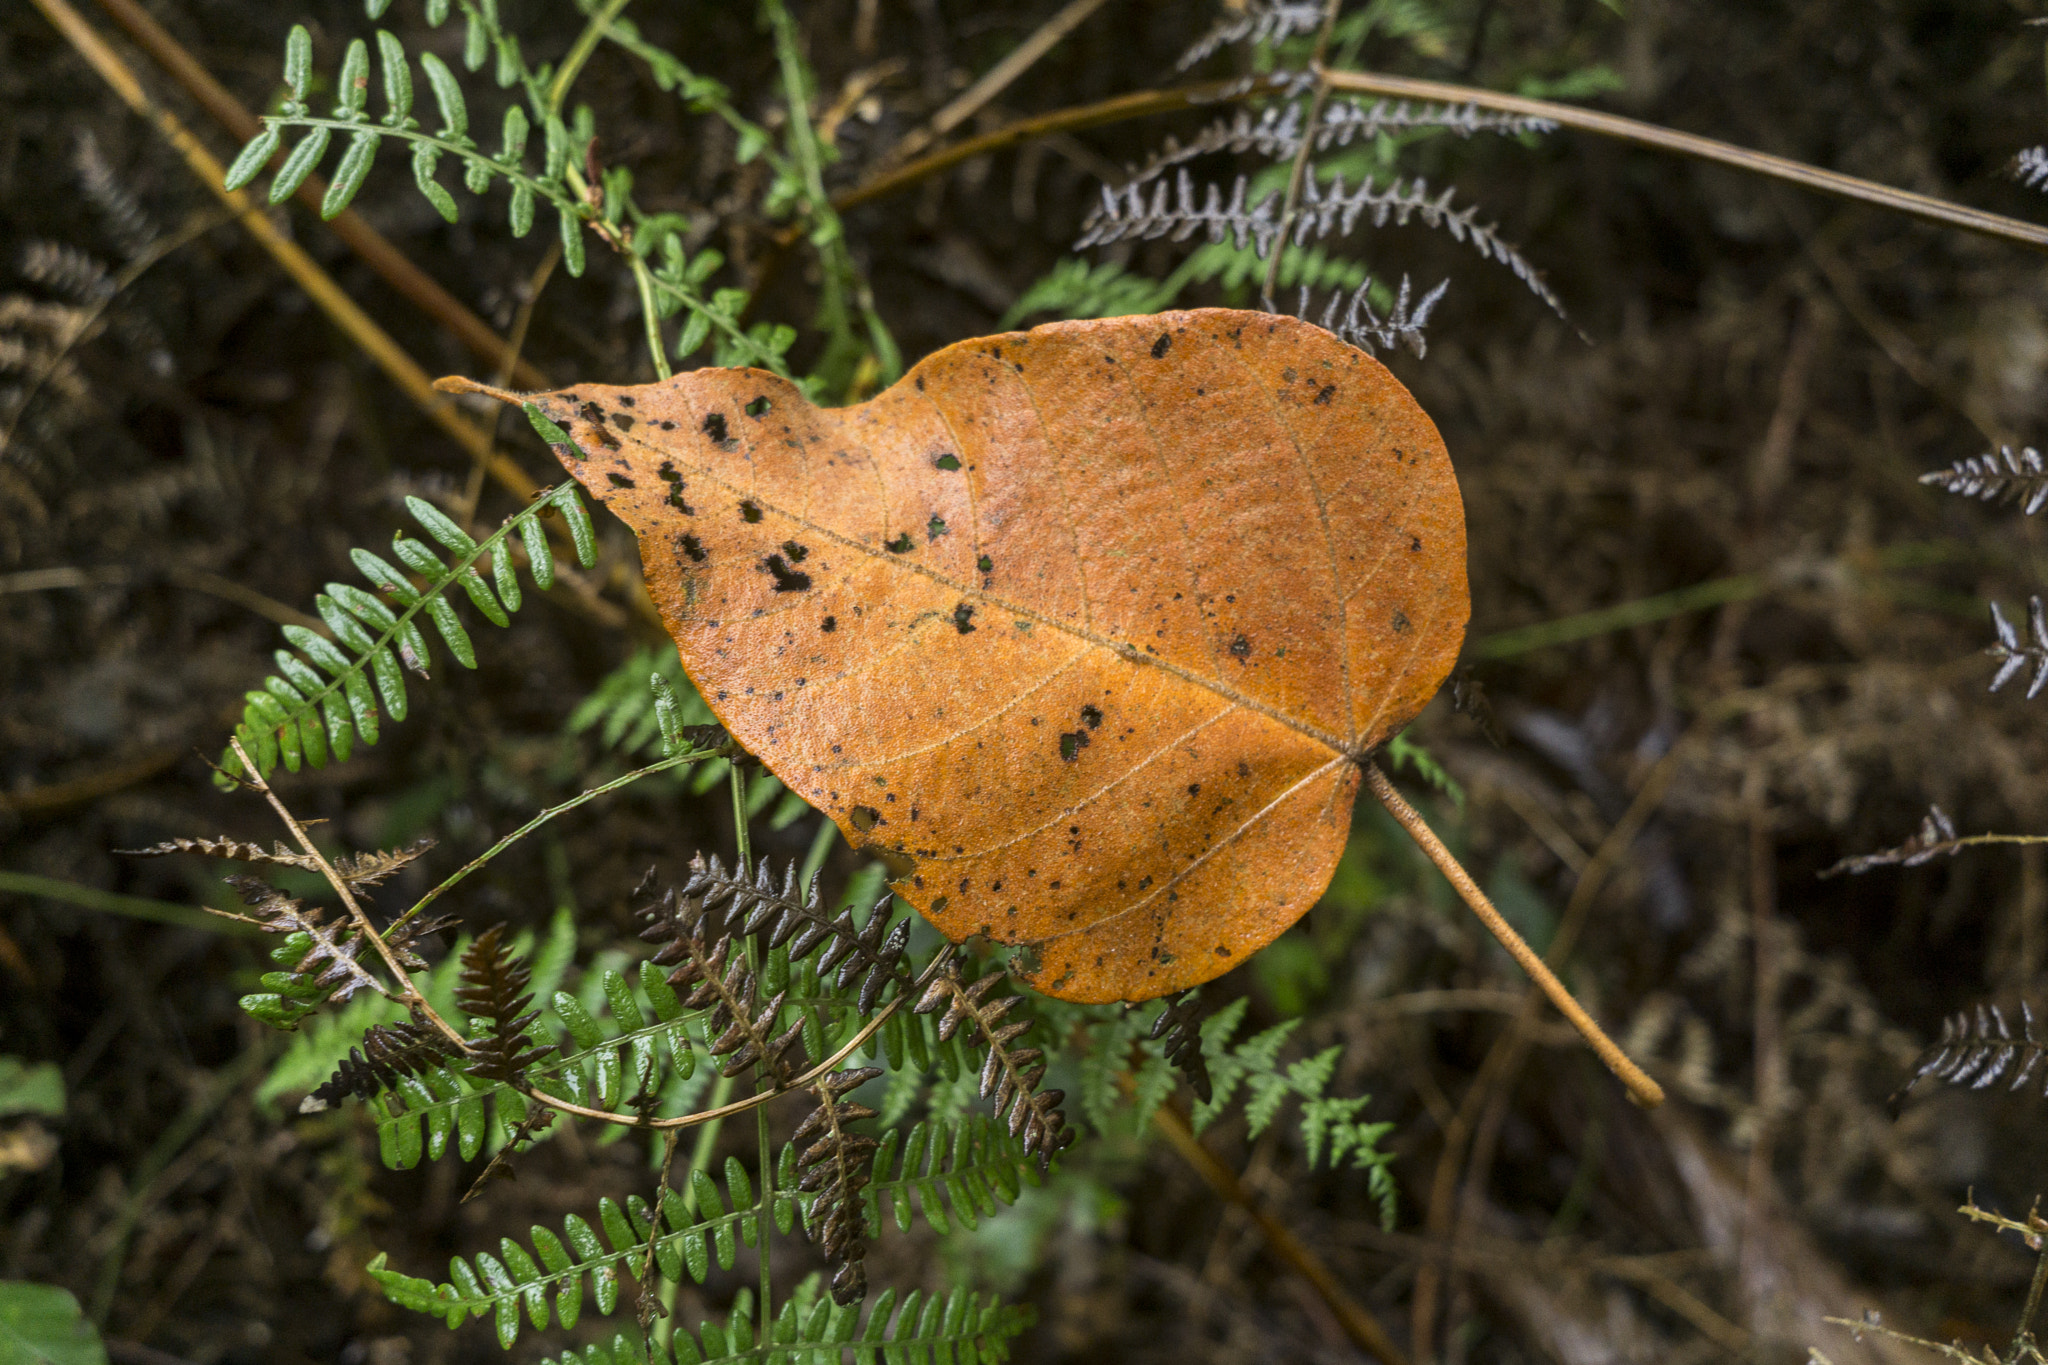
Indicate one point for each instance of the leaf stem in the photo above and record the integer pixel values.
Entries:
(1641, 1088)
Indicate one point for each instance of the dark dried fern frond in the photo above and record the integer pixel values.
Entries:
(2013, 657)
(698, 944)
(836, 1166)
(871, 952)
(357, 870)
(1009, 1076)
(2004, 477)
(389, 1053)
(1977, 1048)
(64, 269)
(492, 987)
(127, 222)
(1936, 836)
(1260, 21)
(1361, 324)
(1180, 1024)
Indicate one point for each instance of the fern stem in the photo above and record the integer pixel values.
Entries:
(1641, 1088)
(579, 53)
(625, 780)
(1303, 156)
(650, 315)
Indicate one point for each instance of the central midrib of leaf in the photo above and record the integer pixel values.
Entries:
(1129, 653)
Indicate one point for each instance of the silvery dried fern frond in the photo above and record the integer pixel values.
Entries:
(2030, 167)
(2014, 657)
(1275, 132)
(1936, 836)
(1324, 211)
(1978, 1051)
(2004, 477)
(1260, 21)
(1362, 326)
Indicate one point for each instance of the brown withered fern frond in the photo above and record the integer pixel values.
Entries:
(1978, 1049)
(1180, 1024)
(836, 1167)
(698, 944)
(389, 1053)
(1009, 1076)
(1936, 836)
(356, 869)
(871, 952)
(492, 987)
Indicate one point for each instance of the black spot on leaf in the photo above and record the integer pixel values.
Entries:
(786, 578)
(619, 480)
(1159, 347)
(714, 427)
(1072, 743)
(1091, 716)
(829, 624)
(963, 617)
(694, 548)
(750, 512)
(1240, 646)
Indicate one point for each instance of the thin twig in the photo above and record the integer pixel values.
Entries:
(1359, 1324)
(999, 77)
(1925, 207)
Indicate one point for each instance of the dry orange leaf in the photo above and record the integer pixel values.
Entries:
(1088, 630)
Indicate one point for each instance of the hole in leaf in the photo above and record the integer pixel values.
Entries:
(758, 405)
(694, 548)
(667, 473)
(1091, 716)
(985, 564)
(963, 617)
(1072, 743)
(1160, 346)
(948, 462)
(899, 546)
(796, 552)
(864, 818)
(675, 500)
(714, 427)
(935, 528)
(619, 480)
(750, 513)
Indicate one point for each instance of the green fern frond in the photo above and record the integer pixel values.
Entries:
(1405, 752)
(321, 699)
(810, 1329)
(1330, 1127)
(970, 1166)
(546, 1285)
